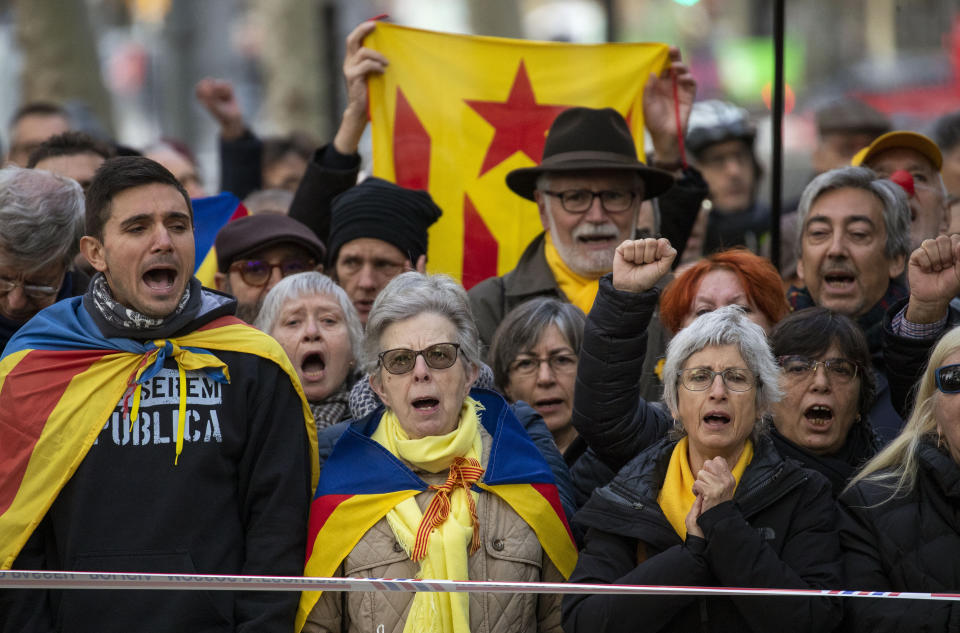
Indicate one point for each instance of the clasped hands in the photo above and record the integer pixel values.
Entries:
(715, 484)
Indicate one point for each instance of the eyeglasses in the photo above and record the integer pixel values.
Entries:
(256, 272)
(559, 363)
(580, 200)
(948, 378)
(31, 291)
(840, 370)
(401, 361)
(701, 378)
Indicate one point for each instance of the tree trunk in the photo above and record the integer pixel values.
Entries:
(293, 69)
(60, 60)
(496, 17)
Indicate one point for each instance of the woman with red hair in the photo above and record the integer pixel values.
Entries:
(733, 277)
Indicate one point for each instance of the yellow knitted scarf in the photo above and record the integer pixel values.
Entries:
(447, 545)
(580, 291)
(676, 497)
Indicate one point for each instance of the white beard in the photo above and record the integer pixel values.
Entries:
(589, 263)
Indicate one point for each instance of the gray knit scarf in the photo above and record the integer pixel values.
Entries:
(332, 409)
(123, 317)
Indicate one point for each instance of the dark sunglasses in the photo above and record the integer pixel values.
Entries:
(256, 272)
(948, 379)
(400, 360)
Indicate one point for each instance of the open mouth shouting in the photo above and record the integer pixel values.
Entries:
(597, 240)
(426, 405)
(312, 367)
(818, 416)
(716, 420)
(596, 236)
(161, 279)
(839, 281)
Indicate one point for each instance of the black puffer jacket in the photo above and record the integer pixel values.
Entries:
(778, 531)
(906, 358)
(906, 544)
(605, 411)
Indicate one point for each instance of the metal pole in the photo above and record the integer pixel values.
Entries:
(776, 183)
(610, 8)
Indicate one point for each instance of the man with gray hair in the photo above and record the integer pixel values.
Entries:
(42, 219)
(854, 241)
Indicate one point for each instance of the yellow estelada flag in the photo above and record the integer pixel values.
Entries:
(453, 114)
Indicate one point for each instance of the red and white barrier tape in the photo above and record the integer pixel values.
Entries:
(101, 580)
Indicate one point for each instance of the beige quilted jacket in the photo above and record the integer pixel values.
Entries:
(509, 551)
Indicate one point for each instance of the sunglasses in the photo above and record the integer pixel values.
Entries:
(256, 272)
(948, 379)
(401, 361)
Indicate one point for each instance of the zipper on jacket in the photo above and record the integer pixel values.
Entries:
(759, 488)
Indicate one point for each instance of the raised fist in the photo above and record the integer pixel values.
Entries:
(639, 264)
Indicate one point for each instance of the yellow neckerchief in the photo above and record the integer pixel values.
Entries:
(580, 291)
(446, 549)
(676, 496)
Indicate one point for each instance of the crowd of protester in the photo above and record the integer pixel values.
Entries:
(644, 399)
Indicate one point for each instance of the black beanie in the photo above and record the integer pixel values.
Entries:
(382, 210)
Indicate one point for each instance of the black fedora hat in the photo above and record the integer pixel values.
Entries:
(582, 139)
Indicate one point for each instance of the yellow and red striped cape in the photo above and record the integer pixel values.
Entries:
(60, 380)
(350, 500)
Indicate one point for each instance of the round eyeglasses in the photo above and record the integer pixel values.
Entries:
(700, 378)
(401, 360)
(798, 368)
(530, 365)
(256, 272)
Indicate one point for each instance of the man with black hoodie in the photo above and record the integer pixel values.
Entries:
(164, 434)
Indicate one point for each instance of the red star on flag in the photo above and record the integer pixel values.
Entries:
(520, 122)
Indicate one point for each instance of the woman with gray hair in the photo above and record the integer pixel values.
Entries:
(709, 501)
(42, 219)
(315, 322)
(534, 360)
(450, 484)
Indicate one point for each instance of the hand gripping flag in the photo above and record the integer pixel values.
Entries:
(350, 500)
(60, 380)
(453, 114)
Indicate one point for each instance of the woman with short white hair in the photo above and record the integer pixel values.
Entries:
(710, 502)
(319, 329)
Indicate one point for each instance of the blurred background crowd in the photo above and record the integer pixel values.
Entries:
(127, 68)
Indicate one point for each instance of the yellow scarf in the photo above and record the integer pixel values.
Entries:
(676, 497)
(580, 291)
(447, 545)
